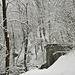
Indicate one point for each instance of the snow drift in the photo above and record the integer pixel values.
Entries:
(65, 65)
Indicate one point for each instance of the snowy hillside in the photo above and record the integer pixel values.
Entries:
(65, 65)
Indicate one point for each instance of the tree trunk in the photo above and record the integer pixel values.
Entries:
(36, 51)
(26, 41)
(41, 39)
(49, 31)
(13, 51)
(6, 36)
(25, 54)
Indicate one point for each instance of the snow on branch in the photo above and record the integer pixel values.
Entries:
(16, 21)
(60, 52)
(1, 25)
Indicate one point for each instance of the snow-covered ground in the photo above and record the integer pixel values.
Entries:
(65, 65)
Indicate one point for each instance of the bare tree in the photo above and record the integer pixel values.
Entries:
(6, 36)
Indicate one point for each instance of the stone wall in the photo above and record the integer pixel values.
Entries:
(51, 49)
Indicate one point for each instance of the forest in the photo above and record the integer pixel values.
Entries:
(35, 33)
